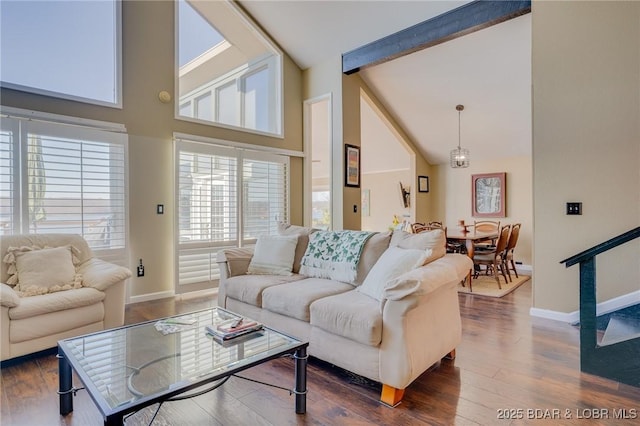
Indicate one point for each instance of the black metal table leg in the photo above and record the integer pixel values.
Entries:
(65, 385)
(301, 380)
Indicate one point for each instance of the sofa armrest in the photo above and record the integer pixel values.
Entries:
(430, 277)
(98, 274)
(8, 297)
(234, 261)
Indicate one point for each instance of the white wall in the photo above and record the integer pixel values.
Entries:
(385, 200)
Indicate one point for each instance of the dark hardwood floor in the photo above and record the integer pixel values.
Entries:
(508, 365)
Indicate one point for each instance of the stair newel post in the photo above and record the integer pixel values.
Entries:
(588, 337)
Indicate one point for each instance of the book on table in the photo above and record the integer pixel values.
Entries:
(233, 328)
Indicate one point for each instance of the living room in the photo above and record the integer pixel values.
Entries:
(586, 144)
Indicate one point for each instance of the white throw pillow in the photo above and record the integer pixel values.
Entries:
(273, 255)
(394, 262)
(434, 239)
(46, 270)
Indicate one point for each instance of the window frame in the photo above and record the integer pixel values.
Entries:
(273, 62)
(114, 134)
(118, 104)
(208, 146)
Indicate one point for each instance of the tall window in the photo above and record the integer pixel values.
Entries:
(229, 73)
(61, 178)
(227, 198)
(67, 49)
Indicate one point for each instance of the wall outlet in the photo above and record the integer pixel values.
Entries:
(141, 269)
(574, 208)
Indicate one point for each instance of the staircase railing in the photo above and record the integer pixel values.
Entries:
(618, 361)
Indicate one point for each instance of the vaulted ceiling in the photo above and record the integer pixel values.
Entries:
(488, 71)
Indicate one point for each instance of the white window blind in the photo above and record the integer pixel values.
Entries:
(264, 196)
(67, 179)
(227, 197)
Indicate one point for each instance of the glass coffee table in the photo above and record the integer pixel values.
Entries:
(131, 367)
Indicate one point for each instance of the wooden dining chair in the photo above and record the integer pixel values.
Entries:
(511, 245)
(494, 259)
(485, 226)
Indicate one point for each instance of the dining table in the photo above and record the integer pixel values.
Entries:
(470, 237)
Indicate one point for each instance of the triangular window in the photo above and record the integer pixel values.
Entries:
(229, 72)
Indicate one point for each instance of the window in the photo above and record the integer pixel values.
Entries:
(80, 40)
(230, 83)
(227, 197)
(61, 178)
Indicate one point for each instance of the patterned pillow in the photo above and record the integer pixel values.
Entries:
(35, 270)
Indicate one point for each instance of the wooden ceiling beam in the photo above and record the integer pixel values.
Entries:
(463, 20)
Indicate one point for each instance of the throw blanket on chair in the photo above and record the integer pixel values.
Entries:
(334, 254)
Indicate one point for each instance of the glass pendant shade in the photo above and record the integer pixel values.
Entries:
(459, 157)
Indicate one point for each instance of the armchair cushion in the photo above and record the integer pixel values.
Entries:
(53, 302)
(98, 274)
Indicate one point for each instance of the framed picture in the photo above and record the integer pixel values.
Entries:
(352, 166)
(488, 195)
(423, 183)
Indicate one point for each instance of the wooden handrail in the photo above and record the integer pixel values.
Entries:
(602, 247)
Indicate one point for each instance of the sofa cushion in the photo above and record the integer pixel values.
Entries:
(351, 315)
(434, 240)
(394, 262)
(273, 254)
(249, 288)
(51, 302)
(55, 322)
(371, 252)
(302, 232)
(41, 271)
(293, 299)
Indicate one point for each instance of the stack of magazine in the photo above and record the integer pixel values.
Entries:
(233, 328)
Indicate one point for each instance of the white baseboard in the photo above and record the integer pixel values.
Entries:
(151, 296)
(602, 308)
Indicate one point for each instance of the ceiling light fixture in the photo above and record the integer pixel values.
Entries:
(459, 156)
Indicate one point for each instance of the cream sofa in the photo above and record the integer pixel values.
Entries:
(34, 323)
(393, 340)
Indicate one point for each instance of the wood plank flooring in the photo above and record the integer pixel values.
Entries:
(509, 365)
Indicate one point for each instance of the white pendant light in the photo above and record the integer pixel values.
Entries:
(459, 157)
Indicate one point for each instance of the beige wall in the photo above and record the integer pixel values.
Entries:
(346, 94)
(452, 190)
(384, 199)
(148, 68)
(586, 144)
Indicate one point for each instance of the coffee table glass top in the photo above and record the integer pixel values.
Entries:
(123, 366)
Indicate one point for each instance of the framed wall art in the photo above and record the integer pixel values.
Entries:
(352, 166)
(423, 183)
(489, 195)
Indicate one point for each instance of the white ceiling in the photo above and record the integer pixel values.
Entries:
(488, 71)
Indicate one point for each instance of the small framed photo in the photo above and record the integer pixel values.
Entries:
(423, 183)
(352, 166)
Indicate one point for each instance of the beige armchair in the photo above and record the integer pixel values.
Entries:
(33, 317)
